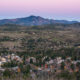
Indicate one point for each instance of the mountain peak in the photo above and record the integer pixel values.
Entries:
(31, 16)
(37, 17)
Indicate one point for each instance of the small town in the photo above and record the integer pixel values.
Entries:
(12, 62)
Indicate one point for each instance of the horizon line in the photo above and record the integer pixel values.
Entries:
(37, 16)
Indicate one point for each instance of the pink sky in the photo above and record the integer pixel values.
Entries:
(57, 9)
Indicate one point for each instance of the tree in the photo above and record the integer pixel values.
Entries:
(31, 61)
(62, 65)
(72, 66)
(26, 70)
(7, 73)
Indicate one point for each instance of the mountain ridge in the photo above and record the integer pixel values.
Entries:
(34, 21)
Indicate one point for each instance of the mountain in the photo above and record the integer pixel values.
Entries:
(34, 20)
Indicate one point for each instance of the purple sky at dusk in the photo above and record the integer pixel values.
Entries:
(55, 9)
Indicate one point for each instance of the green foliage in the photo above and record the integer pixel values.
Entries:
(62, 65)
(31, 61)
(26, 70)
(72, 66)
(10, 64)
(7, 73)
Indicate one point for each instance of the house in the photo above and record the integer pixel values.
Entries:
(3, 59)
(15, 57)
(59, 60)
(50, 62)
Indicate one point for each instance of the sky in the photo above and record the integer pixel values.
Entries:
(53, 9)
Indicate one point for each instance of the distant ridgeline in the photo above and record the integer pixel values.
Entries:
(35, 21)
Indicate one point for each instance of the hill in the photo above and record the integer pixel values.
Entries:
(34, 20)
